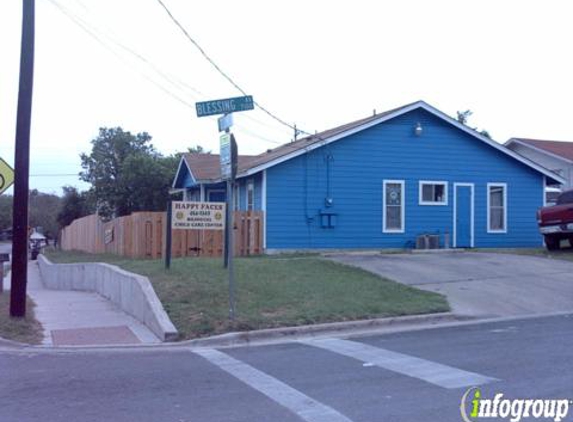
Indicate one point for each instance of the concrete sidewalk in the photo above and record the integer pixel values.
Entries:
(76, 318)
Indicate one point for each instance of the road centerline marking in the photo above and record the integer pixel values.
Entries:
(435, 373)
(302, 405)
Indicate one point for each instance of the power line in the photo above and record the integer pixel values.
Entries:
(55, 175)
(92, 32)
(227, 77)
(174, 82)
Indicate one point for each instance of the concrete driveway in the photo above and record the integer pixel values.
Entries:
(480, 284)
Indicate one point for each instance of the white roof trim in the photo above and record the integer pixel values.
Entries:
(543, 151)
(179, 169)
(327, 141)
(383, 118)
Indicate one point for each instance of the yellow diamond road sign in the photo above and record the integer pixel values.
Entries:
(6, 176)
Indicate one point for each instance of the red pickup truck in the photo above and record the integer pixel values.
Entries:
(556, 222)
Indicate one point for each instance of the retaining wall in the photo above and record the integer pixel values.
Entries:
(131, 292)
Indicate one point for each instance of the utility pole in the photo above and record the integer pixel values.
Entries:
(22, 165)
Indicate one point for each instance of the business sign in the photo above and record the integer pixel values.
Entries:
(108, 236)
(198, 215)
(225, 106)
(6, 176)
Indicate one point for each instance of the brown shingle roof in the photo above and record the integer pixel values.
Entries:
(286, 149)
(561, 148)
(208, 167)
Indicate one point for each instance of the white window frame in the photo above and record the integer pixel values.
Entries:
(402, 207)
(250, 188)
(497, 185)
(432, 182)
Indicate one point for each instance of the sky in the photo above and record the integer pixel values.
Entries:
(316, 64)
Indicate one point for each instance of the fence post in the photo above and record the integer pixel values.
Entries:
(168, 237)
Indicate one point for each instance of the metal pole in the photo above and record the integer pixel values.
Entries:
(22, 165)
(227, 225)
(230, 219)
(168, 237)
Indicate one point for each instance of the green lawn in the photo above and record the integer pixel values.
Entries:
(24, 330)
(272, 291)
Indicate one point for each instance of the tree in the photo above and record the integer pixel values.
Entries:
(74, 205)
(148, 179)
(6, 211)
(198, 149)
(464, 116)
(42, 212)
(127, 174)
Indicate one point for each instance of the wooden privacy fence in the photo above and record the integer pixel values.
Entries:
(142, 235)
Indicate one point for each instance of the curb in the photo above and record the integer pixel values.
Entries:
(243, 338)
(278, 335)
(13, 344)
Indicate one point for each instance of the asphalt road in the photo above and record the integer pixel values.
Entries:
(480, 284)
(409, 376)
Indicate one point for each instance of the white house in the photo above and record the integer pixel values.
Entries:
(556, 156)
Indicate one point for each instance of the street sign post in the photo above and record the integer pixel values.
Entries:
(6, 176)
(225, 122)
(229, 159)
(224, 106)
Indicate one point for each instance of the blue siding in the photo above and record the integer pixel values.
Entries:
(194, 191)
(297, 189)
(184, 179)
(258, 185)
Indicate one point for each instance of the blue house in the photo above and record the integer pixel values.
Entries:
(381, 182)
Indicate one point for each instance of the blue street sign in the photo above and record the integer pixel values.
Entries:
(225, 106)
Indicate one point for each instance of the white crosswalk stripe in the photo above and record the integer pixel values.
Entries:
(305, 407)
(432, 372)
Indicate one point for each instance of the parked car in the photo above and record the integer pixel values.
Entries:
(556, 221)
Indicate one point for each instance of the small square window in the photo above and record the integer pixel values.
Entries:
(433, 193)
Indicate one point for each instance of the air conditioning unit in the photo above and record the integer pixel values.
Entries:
(428, 241)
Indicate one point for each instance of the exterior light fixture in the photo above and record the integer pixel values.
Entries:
(418, 130)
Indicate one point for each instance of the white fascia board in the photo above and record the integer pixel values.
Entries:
(492, 143)
(384, 118)
(534, 148)
(327, 141)
(181, 162)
